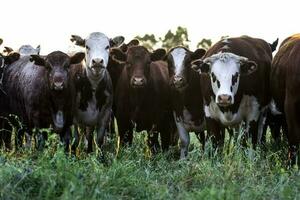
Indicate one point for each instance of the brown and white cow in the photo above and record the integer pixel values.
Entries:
(234, 81)
(186, 96)
(94, 87)
(41, 94)
(142, 97)
(285, 83)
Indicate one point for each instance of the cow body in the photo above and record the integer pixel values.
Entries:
(186, 103)
(142, 98)
(94, 90)
(285, 83)
(234, 81)
(40, 92)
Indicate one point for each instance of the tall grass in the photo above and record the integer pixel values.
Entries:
(231, 173)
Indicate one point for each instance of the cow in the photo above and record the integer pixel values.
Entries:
(234, 83)
(187, 99)
(115, 69)
(142, 97)
(41, 94)
(24, 50)
(94, 88)
(284, 81)
(5, 119)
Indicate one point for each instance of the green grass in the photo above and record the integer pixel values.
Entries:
(235, 173)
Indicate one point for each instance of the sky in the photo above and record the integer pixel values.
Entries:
(51, 22)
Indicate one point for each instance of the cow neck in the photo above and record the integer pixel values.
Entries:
(94, 80)
(140, 98)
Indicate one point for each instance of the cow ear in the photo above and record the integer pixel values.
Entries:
(78, 40)
(200, 66)
(116, 41)
(8, 50)
(158, 54)
(199, 53)
(77, 58)
(248, 67)
(118, 56)
(11, 58)
(38, 49)
(38, 60)
(1, 41)
(134, 42)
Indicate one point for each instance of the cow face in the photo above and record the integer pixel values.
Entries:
(57, 63)
(97, 47)
(179, 64)
(137, 62)
(225, 71)
(26, 50)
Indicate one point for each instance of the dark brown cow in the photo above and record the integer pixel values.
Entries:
(5, 119)
(142, 97)
(235, 86)
(187, 103)
(40, 92)
(285, 83)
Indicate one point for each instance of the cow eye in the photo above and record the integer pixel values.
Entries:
(87, 48)
(107, 47)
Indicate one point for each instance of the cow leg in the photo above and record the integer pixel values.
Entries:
(6, 135)
(292, 110)
(125, 132)
(217, 133)
(201, 137)
(253, 131)
(153, 143)
(184, 137)
(89, 137)
(65, 137)
(75, 142)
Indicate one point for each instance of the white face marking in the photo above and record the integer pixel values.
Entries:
(178, 55)
(59, 119)
(26, 50)
(97, 48)
(248, 111)
(224, 68)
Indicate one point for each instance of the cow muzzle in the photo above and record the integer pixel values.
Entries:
(224, 100)
(138, 82)
(58, 83)
(179, 82)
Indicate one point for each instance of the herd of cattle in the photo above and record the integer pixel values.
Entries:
(236, 83)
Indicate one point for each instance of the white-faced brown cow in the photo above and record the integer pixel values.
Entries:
(41, 94)
(187, 103)
(235, 86)
(94, 87)
(285, 83)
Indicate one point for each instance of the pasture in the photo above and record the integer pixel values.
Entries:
(235, 173)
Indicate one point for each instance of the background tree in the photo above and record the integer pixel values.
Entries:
(204, 43)
(148, 41)
(180, 37)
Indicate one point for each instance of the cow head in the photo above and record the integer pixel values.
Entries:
(179, 64)
(97, 46)
(26, 50)
(225, 70)
(137, 62)
(58, 64)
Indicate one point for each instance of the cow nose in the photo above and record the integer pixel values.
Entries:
(138, 81)
(96, 61)
(224, 99)
(178, 79)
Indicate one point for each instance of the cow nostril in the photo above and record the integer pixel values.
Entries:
(229, 98)
(101, 61)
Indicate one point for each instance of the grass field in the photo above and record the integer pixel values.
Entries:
(234, 173)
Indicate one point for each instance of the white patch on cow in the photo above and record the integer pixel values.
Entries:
(187, 122)
(224, 67)
(91, 115)
(178, 55)
(273, 108)
(225, 47)
(97, 47)
(248, 111)
(94, 80)
(226, 41)
(59, 119)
